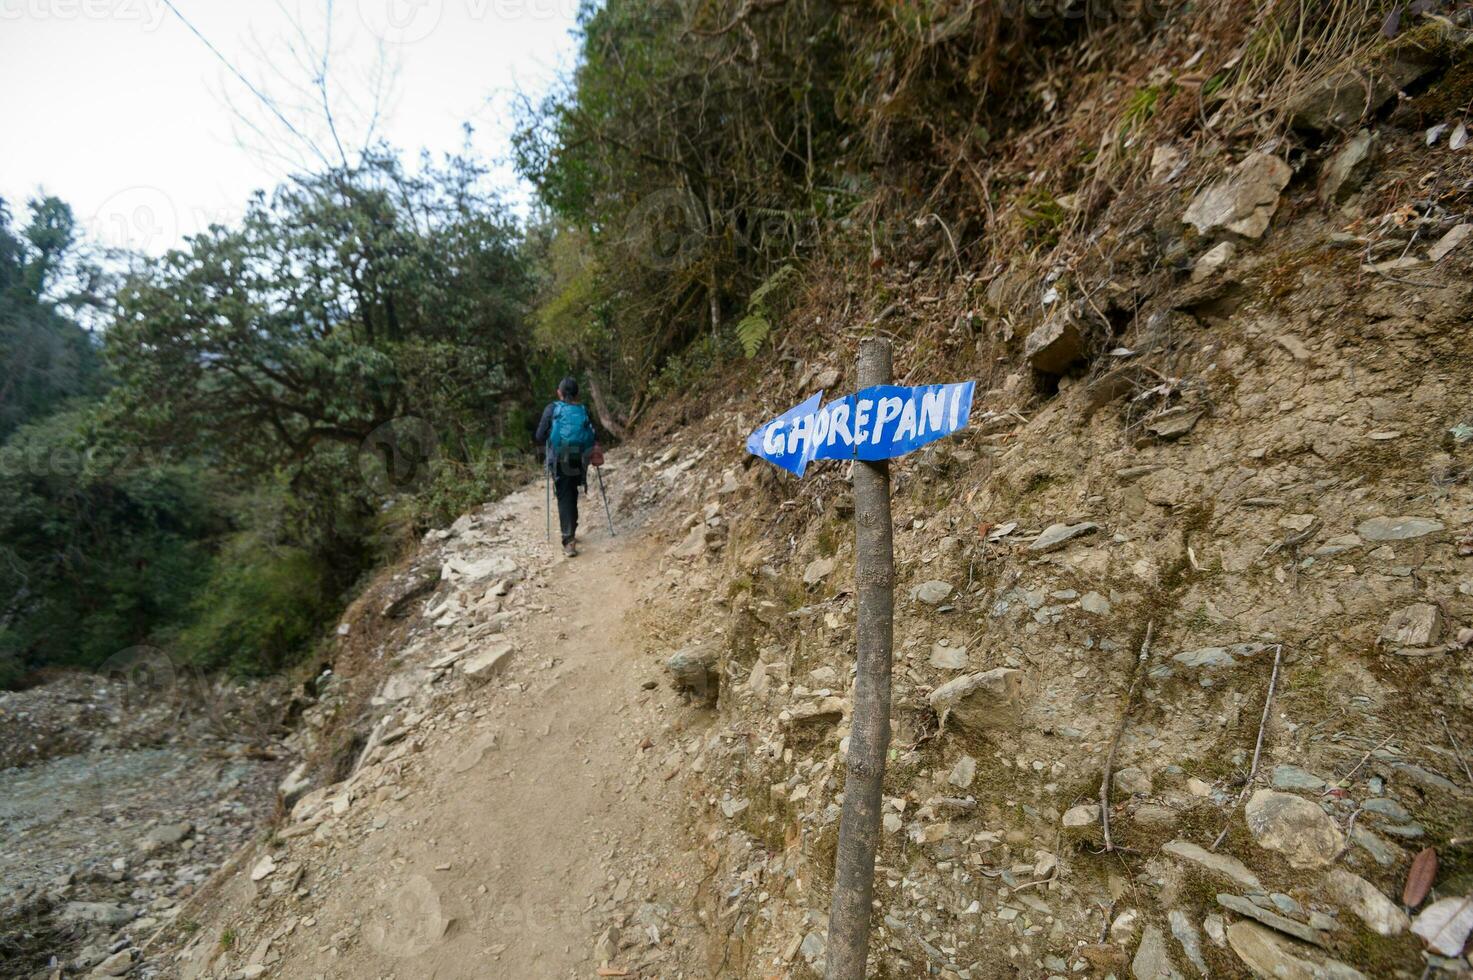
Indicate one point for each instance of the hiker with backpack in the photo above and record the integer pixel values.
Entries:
(567, 432)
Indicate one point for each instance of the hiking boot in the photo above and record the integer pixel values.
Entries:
(570, 549)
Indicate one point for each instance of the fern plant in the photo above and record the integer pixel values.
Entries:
(755, 327)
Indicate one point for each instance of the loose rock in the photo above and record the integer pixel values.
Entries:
(1244, 202)
(981, 702)
(932, 593)
(1377, 911)
(1294, 827)
(1055, 536)
(1417, 625)
(1270, 955)
(1397, 528)
(1055, 345)
(1152, 962)
(1229, 867)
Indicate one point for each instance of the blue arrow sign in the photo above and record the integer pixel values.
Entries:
(877, 423)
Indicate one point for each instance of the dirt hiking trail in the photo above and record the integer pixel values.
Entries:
(497, 827)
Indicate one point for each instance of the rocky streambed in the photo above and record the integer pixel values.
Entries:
(116, 805)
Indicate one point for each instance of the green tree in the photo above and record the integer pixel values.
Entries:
(343, 302)
(48, 357)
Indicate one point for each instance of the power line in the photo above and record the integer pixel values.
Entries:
(238, 74)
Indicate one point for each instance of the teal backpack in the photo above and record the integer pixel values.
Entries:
(571, 431)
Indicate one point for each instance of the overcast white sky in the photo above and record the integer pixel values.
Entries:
(114, 106)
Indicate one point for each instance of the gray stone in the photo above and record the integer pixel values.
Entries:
(694, 669)
(1245, 201)
(1455, 237)
(1055, 536)
(94, 913)
(1382, 915)
(981, 702)
(963, 772)
(169, 833)
(493, 566)
(1406, 831)
(1382, 851)
(932, 593)
(1293, 826)
(1284, 903)
(1214, 657)
(1347, 169)
(1344, 99)
(1132, 781)
(406, 684)
(1216, 928)
(1388, 808)
(1417, 625)
(1174, 423)
(412, 586)
(1154, 816)
(814, 714)
(813, 950)
(1055, 345)
(1125, 926)
(948, 658)
(1287, 777)
(115, 965)
(1191, 940)
(818, 570)
(1337, 545)
(732, 807)
(1212, 261)
(1424, 779)
(1397, 528)
(1152, 962)
(1270, 955)
(1240, 905)
(1228, 867)
(483, 666)
(1094, 604)
(1084, 815)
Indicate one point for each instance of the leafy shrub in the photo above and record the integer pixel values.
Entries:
(754, 328)
(261, 608)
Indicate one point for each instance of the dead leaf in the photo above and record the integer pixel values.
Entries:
(1444, 925)
(1419, 879)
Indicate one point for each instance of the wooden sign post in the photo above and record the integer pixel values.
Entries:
(869, 736)
(869, 427)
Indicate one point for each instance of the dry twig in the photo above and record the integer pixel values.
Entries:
(1268, 701)
(1457, 750)
(1140, 671)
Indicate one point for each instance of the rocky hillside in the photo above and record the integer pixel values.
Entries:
(1210, 533)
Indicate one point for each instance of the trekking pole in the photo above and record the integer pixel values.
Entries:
(548, 476)
(603, 494)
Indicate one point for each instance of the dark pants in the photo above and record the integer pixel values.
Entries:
(566, 488)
